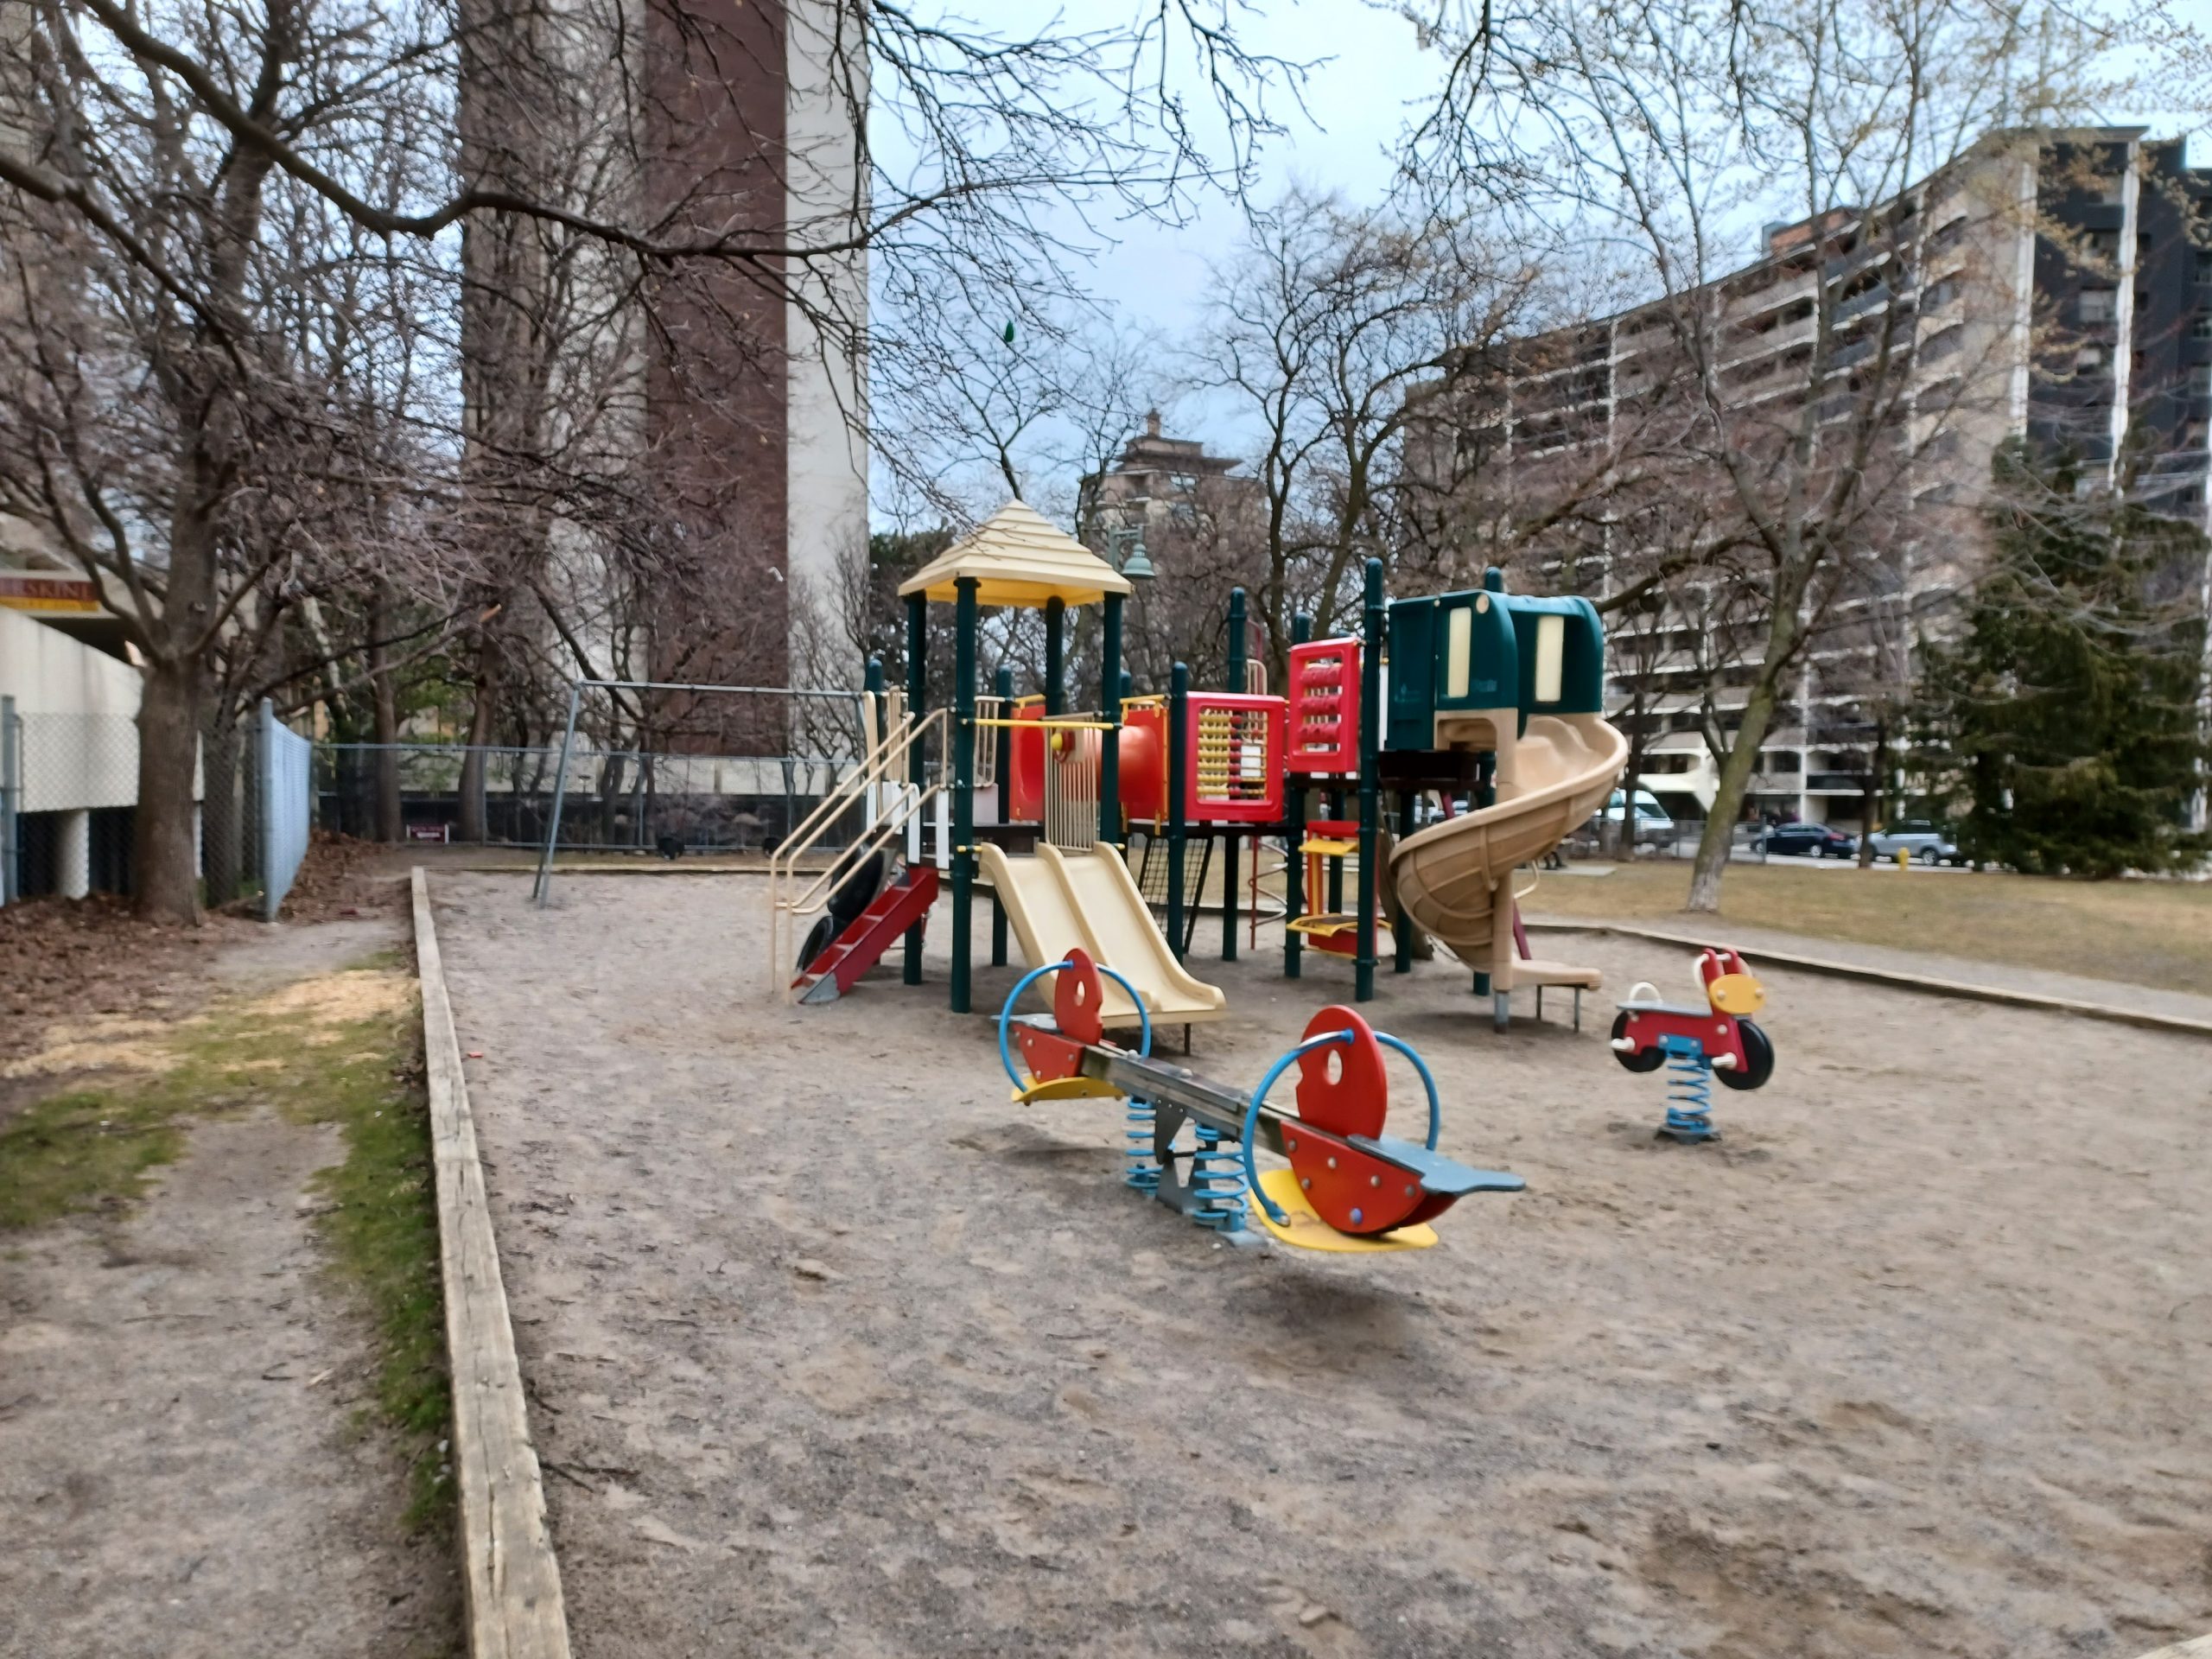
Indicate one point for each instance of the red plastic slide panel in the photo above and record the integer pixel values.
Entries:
(1324, 737)
(1354, 1192)
(1024, 792)
(1144, 763)
(1077, 997)
(1233, 767)
(1342, 1087)
(1048, 1056)
(1717, 1032)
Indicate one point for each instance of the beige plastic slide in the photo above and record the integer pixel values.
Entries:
(1454, 878)
(1058, 901)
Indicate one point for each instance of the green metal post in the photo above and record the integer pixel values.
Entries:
(1337, 865)
(1179, 708)
(1056, 678)
(1003, 740)
(1113, 686)
(917, 696)
(1235, 678)
(964, 627)
(1294, 812)
(1403, 934)
(1371, 705)
(1485, 794)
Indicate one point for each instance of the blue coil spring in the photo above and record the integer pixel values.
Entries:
(1689, 1093)
(1138, 1126)
(1217, 1182)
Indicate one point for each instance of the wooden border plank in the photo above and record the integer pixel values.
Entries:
(1925, 983)
(515, 1609)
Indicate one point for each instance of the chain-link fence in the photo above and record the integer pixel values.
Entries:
(73, 798)
(68, 806)
(616, 798)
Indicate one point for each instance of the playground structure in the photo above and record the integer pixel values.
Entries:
(1350, 1187)
(1697, 1044)
(1489, 696)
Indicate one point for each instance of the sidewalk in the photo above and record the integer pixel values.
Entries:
(2177, 1005)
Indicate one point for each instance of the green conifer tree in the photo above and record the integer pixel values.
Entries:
(2066, 712)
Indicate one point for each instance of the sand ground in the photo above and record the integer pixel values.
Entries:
(831, 1349)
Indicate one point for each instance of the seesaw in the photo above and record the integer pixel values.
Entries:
(1350, 1187)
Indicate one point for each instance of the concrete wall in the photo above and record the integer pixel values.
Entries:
(825, 71)
(77, 706)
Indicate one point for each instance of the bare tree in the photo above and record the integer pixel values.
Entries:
(161, 429)
(1337, 328)
(1870, 128)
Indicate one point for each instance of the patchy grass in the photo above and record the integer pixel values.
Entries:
(341, 1049)
(87, 1146)
(2156, 933)
(382, 1228)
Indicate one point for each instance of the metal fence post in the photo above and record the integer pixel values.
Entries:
(11, 794)
(544, 883)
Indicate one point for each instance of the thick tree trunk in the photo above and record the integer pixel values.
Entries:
(1870, 799)
(1622, 835)
(165, 867)
(483, 720)
(1713, 848)
(222, 812)
(384, 696)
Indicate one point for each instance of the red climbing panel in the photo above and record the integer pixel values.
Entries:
(1325, 709)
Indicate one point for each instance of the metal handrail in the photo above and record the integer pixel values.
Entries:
(883, 765)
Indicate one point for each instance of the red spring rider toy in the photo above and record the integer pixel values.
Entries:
(1698, 1043)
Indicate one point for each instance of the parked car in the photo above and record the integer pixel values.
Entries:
(1806, 840)
(1921, 837)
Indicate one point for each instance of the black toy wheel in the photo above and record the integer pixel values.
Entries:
(1758, 1052)
(819, 938)
(1642, 1060)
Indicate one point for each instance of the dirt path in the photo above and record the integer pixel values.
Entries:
(190, 1464)
(833, 1350)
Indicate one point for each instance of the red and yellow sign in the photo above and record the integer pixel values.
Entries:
(62, 594)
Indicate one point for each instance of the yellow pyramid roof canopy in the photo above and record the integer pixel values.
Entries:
(1018, 557)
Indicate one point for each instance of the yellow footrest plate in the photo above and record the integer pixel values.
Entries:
(1309, 1232)
(1328, 926)
(1328, 846)
(1066, 1089)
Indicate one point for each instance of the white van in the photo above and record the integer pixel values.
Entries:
(1653, 822)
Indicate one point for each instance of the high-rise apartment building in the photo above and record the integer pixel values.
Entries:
(2055, 288)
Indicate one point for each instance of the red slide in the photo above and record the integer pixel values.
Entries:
(862, 945)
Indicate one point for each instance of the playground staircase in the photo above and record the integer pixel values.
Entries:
(860, 946)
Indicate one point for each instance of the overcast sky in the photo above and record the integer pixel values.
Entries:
(1369, 77)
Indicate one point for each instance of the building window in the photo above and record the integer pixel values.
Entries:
(2098, 305)
(2200, 379)
(2200, 327)
(1183, 482)
(1944, 345)
(2204, 265)
(2104, 243)
(2088, 359)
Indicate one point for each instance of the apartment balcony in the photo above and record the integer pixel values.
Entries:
(1834, 783)
(1773, 296)
(1859, 304)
